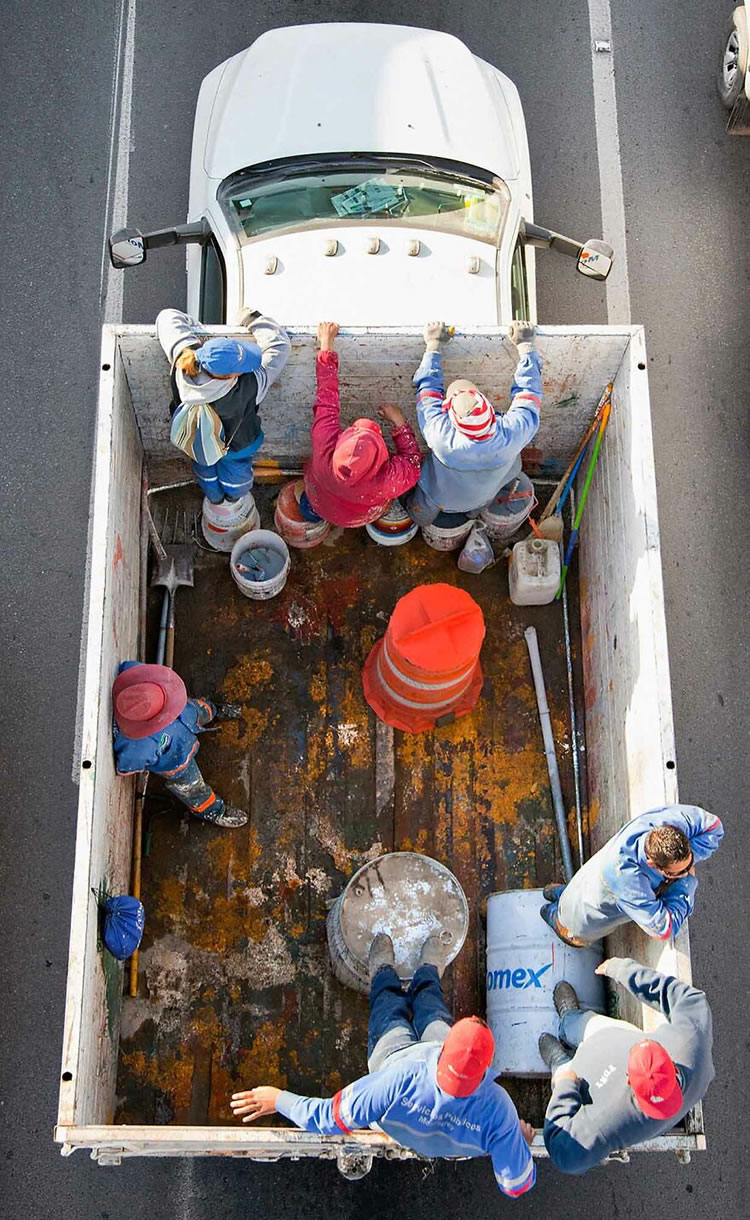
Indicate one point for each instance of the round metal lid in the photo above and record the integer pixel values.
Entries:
(410, 897)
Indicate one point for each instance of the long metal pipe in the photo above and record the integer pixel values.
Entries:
(549, 749)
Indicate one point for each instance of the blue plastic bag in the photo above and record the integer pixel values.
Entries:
(124, 919)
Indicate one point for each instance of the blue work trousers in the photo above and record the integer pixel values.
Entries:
(400, 1018)
(228, 479)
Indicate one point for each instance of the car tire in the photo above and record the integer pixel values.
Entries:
(730, 79)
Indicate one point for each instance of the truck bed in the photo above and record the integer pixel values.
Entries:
(235, 986)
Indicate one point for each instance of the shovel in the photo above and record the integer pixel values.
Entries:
(173, 568)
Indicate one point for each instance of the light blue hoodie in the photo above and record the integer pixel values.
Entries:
(617, 884)
(461, 474)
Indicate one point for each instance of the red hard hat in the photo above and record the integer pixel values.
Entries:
(467, 1053)
(146, 698)
(652, 1076)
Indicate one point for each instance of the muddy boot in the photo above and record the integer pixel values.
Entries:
(565, 999)
(229, 817)
(432, 953)
(381, 954)
(228, 711)
(552, 892)
(549, 915)
(553, 1052)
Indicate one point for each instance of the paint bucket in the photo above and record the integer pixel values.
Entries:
(425, 672)
(524, 962)
(268, 541)
(291, 524)
(405, 894)
(448, 531)
(505, 515)
(394, 528)
(223, 524)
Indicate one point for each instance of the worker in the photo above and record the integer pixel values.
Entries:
(430, 1084)
(645, 873)
(620, 1087)
(475, 453)
(156, 729)
(351, 478)
(232, 376)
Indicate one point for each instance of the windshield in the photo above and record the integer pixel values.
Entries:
(297, 198)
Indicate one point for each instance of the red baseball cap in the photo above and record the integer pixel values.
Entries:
(147, 698)
(652, 1076)
(467, 1053)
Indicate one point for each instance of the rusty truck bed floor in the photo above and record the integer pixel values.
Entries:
(235, 986)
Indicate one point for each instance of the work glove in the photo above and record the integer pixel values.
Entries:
(245, 317)
(523, 335)
(435, 333)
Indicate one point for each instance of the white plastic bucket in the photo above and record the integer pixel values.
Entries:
(394, 528)
(259, 590)
(443, 537)
(524, 962)
(505, 515)
(223, 524)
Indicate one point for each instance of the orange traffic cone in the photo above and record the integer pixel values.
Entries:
(425, 671)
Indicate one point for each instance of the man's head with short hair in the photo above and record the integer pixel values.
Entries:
(668, 850)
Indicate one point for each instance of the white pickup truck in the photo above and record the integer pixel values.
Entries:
(369, 202)
(395, 188)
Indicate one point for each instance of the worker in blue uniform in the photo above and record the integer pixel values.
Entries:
(644, 874)
(156, 729)
(431, 1085)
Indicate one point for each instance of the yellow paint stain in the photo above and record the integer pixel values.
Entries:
(169, 902)
(419, 844)
(171, 1074)
(249, 675)
(319, 684)
(245, 733)
(367, 637)
(414, 756)
(260, 1062)
(352, 728)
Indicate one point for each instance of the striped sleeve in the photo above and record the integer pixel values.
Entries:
(512, 1162)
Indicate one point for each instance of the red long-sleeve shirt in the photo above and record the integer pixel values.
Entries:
(352, 504)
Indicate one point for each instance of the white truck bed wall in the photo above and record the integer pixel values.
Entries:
(629, 732)
(105, 804)
(377, 366)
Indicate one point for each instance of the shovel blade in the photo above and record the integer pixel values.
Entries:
(176, 569)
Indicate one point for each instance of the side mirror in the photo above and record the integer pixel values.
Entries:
(595, 259)
(127, 248)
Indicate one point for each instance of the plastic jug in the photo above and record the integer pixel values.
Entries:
(534, 575)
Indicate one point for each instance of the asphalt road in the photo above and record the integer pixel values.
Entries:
(685, 187)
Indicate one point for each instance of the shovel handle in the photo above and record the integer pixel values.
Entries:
(169, 649)
(161, 647)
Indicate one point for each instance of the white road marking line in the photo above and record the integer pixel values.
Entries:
(608, 154)
(116, 209)
(110, 281)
